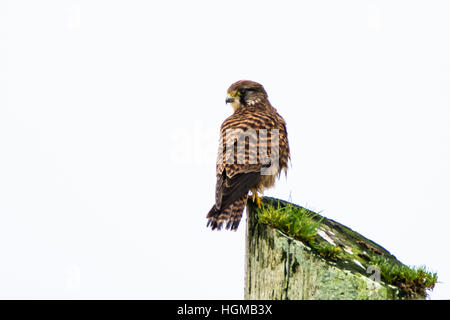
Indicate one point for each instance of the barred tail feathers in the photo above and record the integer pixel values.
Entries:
(230, 216)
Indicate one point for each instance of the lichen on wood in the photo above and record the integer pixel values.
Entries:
(328, 262)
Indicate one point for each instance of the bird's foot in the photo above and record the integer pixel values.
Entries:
(256, 199)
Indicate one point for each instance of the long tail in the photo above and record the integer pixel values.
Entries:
(231, 215)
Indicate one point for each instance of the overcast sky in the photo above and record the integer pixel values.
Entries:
(109, 124)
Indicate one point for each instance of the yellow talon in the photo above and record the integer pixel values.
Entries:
(256, 198)
(258, 202)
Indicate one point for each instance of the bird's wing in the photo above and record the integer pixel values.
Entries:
(229, 190)
(235, 177)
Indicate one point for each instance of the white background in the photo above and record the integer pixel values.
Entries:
(109, 122)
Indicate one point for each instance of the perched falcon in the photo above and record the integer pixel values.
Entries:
(253, 150)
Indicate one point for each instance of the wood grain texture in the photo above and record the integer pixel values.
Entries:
(280, 267)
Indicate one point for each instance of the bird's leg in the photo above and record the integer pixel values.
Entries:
(256, 198)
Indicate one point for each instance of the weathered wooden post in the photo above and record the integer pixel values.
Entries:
(338, 263)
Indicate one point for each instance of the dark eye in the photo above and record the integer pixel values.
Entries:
(243, 91)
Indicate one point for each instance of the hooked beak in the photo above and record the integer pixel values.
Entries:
(229, 99)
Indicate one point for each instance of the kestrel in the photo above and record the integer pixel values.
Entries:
(253, 150)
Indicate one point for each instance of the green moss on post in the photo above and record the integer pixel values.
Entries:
(293, 253)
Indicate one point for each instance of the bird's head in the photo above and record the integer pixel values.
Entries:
(245, 93)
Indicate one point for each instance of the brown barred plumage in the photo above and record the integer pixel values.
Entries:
(242, 167)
